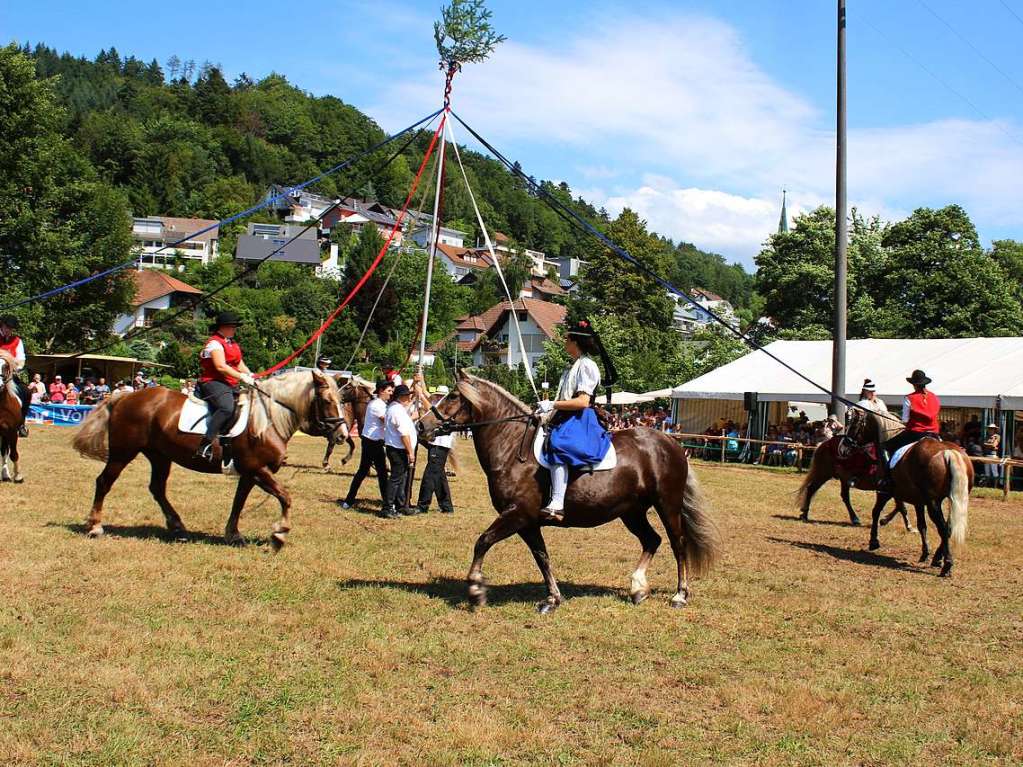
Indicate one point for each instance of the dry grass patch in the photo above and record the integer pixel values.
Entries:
(356, 646)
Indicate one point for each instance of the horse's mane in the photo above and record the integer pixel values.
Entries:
(505, 398)
(8, 367)
(293, 389)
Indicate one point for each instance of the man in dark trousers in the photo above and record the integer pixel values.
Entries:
(435, 480)
(400, 437)
(372, 439)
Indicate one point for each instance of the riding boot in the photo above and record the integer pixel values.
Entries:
(559, 485)
(208, 450)
(884, 473)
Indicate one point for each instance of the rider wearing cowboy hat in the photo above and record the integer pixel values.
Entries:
(13, 345)
(577, 437)
(920, 411)
(222, 369)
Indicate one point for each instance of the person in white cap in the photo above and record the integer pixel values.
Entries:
(869, 399)
(435, 480)
(992, 443)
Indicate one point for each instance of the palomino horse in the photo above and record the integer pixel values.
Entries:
(146, 422)
(826, 466)
(928, 473)
(10, 420)
(652, 470)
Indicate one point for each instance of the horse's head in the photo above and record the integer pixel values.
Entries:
(464, 405)
(325, 413)
(862, 426)
(6, 368)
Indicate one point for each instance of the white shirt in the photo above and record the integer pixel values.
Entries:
(444, 440)
(373, 428)
(19, 355)
(876, 404)
(583, 376)
(399, 424)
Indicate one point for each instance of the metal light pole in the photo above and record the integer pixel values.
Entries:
(841, 235)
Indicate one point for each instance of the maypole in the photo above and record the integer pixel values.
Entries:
(463, 35)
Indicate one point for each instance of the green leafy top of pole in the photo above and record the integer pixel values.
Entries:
(464, 35)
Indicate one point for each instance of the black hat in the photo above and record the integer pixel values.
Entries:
(227, 318)
(919, 378)
(382, 384)
(581, 328)
(10, 321)
(401, 391)
(323, 359)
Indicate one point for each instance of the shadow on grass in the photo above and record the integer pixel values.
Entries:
(797, 518)
(454, 590)
(158, 533)
(859, 556)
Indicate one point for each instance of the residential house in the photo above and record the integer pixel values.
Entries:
(490, 338)
(155, 290)
(297, 206)
(542, 289)
(462, 264)
(298, 244)
(689, 317)
(422, 234)
(188, 236)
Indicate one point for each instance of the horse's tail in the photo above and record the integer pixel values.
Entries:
(701, 535)
(91, 440)
(959, 495)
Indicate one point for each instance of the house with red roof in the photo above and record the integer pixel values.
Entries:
(490, 338)
(155, 290)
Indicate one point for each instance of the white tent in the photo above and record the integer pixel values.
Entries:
(624, 398)
(967, 372)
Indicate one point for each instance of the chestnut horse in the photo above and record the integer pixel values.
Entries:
(146, 421)
(652, 470)
(928, 473)
(10, 420)
(355, 394)
(825, 467)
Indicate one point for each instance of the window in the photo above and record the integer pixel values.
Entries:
(147, 317)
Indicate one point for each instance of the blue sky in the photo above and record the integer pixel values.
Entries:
(696, 114)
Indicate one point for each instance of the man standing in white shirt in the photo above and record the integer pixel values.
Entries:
(400, 440)
(372, 439)
(435, 480)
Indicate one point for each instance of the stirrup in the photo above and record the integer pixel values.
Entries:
(555, 514)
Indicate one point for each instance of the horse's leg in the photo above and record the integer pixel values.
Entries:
(158, 487)
(639, 525)
(943, 556)
(265, 479)
(534, 539)
(879, 504)
(672, 521)
(351, 451)
(813, 484)
(15, 458)
(900, 508)
(241, 494)
(853, 519)
(5, 475)
(507, 524)
(330, 451)
(921, 523)
(105, 481)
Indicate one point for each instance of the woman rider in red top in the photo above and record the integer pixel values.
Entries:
(920, 412)
(10, 343)
(221, 370)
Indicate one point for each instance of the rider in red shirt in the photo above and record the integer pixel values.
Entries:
(221, 370)
(13, 345)
(920, 412)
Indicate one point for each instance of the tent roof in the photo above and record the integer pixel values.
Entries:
(98, 358)
(967, 372)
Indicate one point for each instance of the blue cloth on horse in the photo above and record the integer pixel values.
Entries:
(577, 439)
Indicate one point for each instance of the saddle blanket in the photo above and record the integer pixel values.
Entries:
(897, 455)
(609, 462)
(195, 412)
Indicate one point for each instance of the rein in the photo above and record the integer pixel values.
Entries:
(448, 426)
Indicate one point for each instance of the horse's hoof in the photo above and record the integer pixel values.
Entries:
(678, 602)
(923, 557)
(804, 517)
(639, 597)
(19, 479)
(233, 539)
(547, 606)
(855, 521)
(179, 534)
(277, 541)
(946, 571)
(874, 545)
(95, 531)
(937, 561)
(478, 594)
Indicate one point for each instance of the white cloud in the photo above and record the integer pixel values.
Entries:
(683, 99)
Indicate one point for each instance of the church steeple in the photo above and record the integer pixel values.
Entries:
(783, 222)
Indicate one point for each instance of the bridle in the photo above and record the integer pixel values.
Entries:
(448, 425)
(320, 422)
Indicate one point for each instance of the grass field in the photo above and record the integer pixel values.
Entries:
(355, 645)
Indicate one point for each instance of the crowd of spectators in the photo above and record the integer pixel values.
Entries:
(81, 390)
(652, 417)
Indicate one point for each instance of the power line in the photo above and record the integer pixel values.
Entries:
(943, 82)
(1009, 9)
(972, 47)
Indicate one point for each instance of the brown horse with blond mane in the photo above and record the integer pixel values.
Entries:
(10, 420)
(652, 470)
(929, 472)
(146, 422)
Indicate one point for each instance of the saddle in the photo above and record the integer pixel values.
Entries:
(195, 412)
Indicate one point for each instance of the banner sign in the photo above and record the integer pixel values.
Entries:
(61, 415)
